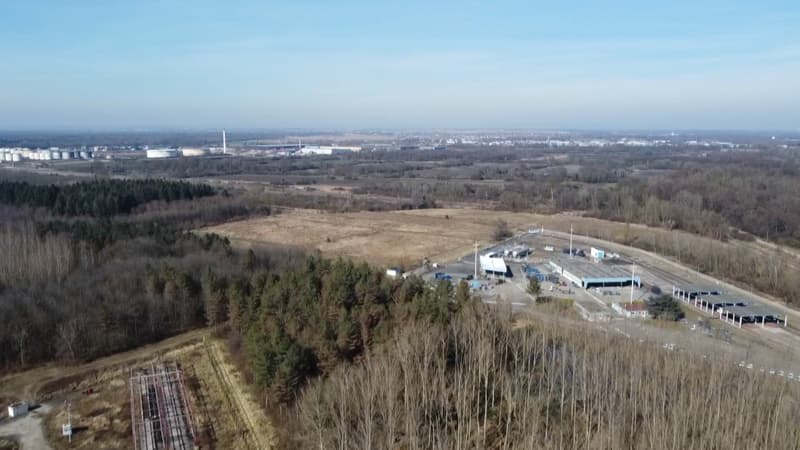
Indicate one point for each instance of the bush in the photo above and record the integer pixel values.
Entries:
(501, 230)
(664, 307)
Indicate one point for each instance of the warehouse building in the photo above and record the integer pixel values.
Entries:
(590, 275)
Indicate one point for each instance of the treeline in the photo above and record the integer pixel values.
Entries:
(307, 320)
(100, 198)
(710, 199)
(346, 203)
(482, 382)
(164, 225)
(133, 292)
(74, 289)
(763, 202)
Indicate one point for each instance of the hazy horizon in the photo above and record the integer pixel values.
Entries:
(682, 66)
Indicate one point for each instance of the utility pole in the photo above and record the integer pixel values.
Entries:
(633, 277)
(570, 241)
(66, 429)
(475, 276)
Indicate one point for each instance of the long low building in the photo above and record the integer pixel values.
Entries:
(588, 274)
(691, 292)
(733, 309)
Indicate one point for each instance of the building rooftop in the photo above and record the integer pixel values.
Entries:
(587, 269)
(751, 310)
(638, 306)
(697, 288)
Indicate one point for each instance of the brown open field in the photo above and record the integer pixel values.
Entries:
(390, 237)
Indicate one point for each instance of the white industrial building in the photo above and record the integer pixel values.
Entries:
(162, 153)
(326, 150)
(189, 151)
(54, 153)
(493, 264)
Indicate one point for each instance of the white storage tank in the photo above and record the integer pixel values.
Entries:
(16, 157)
(55, 155)
(66, 155)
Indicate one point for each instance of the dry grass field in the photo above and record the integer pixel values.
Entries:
(386, 238)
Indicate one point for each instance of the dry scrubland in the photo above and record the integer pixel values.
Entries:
(390, 237)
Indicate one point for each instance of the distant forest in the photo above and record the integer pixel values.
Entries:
(710, 192)
(98, 197)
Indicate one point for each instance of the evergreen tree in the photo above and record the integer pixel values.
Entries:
(534, 288)
(463, 294)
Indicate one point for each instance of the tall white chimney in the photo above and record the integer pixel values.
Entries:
(224, 143)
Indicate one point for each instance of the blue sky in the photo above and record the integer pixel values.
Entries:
(118, 64)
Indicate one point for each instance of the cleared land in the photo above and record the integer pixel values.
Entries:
(385, 238)
(226, 414)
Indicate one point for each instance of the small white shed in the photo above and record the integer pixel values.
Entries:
(393, 272)
(17, 409)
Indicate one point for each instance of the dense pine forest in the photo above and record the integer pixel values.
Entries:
(99, 198)
(307, 320)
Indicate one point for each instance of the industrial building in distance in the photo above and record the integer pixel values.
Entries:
(51, 154)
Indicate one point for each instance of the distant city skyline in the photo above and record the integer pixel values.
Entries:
(622, 65)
